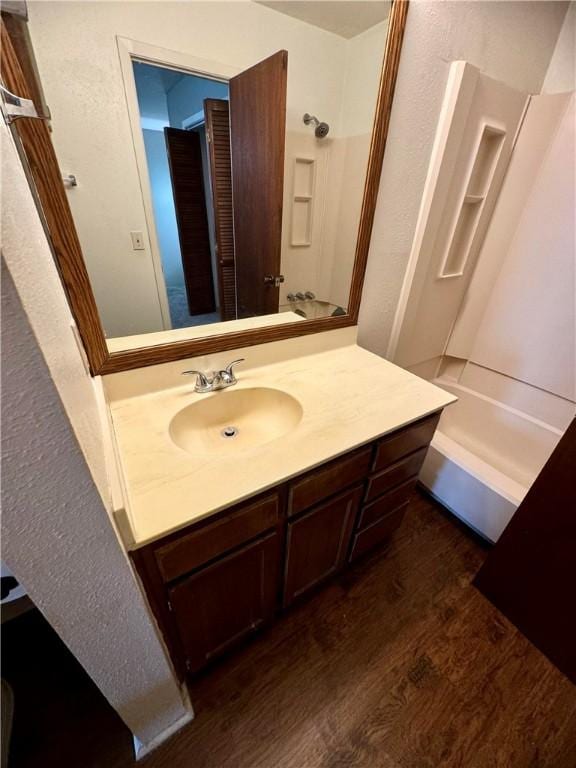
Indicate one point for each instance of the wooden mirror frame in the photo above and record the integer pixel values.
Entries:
(41, 164)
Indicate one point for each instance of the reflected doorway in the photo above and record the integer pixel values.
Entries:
(172, 106)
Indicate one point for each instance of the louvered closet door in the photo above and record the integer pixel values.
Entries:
(217, 116)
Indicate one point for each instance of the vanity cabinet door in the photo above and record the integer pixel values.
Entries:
(318, 542)
(219, 605)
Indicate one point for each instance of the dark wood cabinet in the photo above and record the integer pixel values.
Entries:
(376, 534)
(222, 603)
(221, 579)
(318, 542)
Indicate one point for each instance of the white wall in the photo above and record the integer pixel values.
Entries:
(510, 41)
(561, 74)
(364, 57)
(57, 536)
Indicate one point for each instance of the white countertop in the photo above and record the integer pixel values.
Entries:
(348, 395)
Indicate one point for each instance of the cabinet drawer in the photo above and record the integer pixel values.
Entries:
(318, 543)
(192, 550)
(405, 441)
(377, 533)
(328, 480)
(386, 504)
(394, 475)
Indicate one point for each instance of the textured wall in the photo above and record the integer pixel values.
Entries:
(56, 535)
(510, 41)
(29, 259)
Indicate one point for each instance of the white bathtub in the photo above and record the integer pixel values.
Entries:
(483, 458)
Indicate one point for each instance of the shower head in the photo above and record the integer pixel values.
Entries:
(320, 129)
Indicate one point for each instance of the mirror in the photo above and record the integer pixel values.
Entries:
(214, 156)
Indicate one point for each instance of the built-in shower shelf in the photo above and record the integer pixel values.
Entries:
(304, 186)
(483, 165)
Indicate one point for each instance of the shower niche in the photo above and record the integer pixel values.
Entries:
(484, 163)
(304, 171)
(474, 141)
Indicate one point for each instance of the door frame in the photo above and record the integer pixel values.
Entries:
(130, 50)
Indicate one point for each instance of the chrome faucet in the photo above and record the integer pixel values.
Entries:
(210, 381)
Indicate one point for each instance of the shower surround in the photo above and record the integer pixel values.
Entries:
(510, 357)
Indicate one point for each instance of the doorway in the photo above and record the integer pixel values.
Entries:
(173, 123)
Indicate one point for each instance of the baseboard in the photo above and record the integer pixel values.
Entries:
(141, 750)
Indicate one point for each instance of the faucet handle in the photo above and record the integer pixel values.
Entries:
(229, 370)
(202, 383)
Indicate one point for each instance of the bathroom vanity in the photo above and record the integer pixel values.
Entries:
(227, 532)
(221, 579)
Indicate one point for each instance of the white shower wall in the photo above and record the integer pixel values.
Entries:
(511, 357)
(526, 331)
(519, 317)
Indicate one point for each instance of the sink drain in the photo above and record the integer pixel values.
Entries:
(229, 432)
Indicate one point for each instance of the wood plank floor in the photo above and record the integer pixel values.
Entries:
(400, 663)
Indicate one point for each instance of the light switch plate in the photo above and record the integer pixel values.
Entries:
(137, 241)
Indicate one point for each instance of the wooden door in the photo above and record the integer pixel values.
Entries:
(530, 575)
(258, 132)
(318, 543)
(185, 160)
(221, 604)
(217, 116)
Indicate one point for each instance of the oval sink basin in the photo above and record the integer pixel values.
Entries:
(235, 420)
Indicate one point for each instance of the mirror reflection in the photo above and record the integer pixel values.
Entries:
(214, 155)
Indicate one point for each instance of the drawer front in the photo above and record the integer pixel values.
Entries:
(408, 440)
(377, 534)
(328, 480)
(318, 543)
(386, 504)
(204, 544)
(398, 473)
